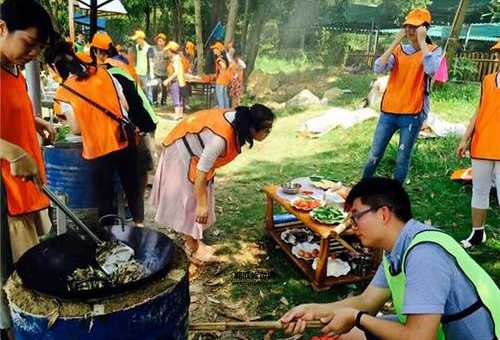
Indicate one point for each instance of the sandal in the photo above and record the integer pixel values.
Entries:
(204, 257)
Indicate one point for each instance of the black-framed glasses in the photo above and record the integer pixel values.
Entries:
(358, 214)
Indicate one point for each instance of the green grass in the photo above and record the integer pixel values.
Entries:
(273, 65)
(341, 153)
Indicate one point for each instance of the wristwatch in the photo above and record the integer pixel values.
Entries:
(358, 320)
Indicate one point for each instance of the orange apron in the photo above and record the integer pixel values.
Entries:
(486, 136)
(407, 84)
(100, 133)
(215, 121)
(17, 126)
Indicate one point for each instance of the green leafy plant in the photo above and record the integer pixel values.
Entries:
(463, 69)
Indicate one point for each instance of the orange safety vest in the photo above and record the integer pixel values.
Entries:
(486, 136)
(186, 64)
(222, 77)
(17, 126)
(129, 68)
(407, 84)
(215, 121)
(101, 134)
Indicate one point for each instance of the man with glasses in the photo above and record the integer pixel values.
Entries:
(437, 289)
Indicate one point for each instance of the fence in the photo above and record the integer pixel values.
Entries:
(479, 64)
(484, 62)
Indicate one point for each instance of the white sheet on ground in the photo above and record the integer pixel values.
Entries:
(337, 116)
(442, 128)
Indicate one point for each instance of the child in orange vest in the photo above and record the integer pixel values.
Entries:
(25, 27)
(483, 133)
(405, 103)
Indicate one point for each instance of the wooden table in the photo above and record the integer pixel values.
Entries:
(327, 234)
(204, 89)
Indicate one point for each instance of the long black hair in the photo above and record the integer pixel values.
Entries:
(61, 56)
(257, 117)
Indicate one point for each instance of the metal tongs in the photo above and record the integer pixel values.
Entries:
(118, 253)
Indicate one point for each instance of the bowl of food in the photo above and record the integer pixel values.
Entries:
(306, 203)
(291, 188)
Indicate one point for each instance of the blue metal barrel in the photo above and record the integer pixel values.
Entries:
(161, 313)
(68, 173)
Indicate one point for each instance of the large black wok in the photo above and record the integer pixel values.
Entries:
(45, 267)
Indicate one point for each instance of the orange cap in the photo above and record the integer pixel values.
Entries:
(496, 47)
(84, 57)
(172, 46)
(101, 40)
(190, 48)
(218, 46)
(418, 17)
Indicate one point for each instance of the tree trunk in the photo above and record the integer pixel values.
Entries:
(199, 36)
(252, 48)
(244, 29)
(177, 20)
(231, 21)
(453, 42)
(147, 12)
(217, 13)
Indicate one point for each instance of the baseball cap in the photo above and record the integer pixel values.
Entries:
(418, 17)
(101, 40)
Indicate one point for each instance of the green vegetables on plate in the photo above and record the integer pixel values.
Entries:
(328, 215)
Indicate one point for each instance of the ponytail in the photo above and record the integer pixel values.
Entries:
(255, 118)
(63, 58)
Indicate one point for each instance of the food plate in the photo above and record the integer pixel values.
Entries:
(328, 215)
(307, 251)
(306, 203)
(335, 267)
(294, 236)
(325, 183)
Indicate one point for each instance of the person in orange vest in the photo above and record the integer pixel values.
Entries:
(140, 110)
(25, 27)
(183, 188)
(93, 103)
(190, 55)
(405, 103)
(176, 80)
(222, 76)
(482, 137)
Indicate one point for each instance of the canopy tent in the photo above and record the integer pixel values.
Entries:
(85, 21)
(104, 6)
(478, 32)
(94, 8)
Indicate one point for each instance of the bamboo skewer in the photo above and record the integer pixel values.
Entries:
(266, 325)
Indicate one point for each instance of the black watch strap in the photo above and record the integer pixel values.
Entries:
(358, 320)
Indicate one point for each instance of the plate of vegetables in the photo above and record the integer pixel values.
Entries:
(306, 203)
(328, 215)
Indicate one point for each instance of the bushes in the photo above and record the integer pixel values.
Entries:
(463, 69)
(456, 92)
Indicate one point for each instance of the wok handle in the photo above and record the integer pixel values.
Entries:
(53, 197)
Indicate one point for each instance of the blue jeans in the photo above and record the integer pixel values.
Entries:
(388, 124)
(222, 96)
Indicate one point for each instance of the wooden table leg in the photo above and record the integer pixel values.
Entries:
(321, 267)
(269, 213)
